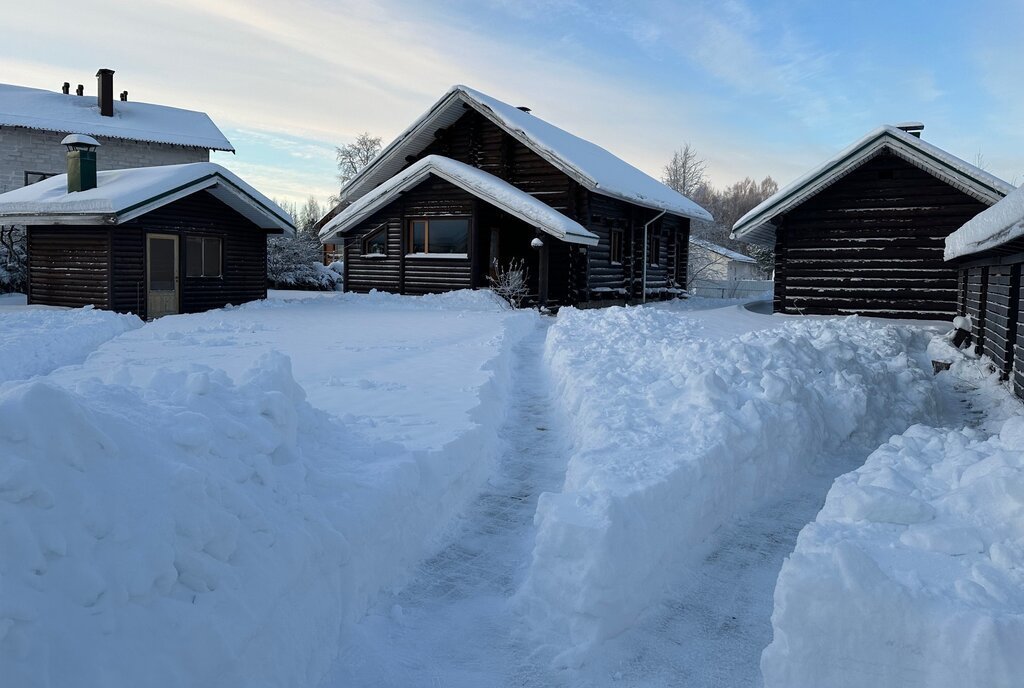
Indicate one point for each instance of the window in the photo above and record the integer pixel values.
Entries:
(654, 250)
(33, 177)
(443, 236)
(615, 245)
(202, 257)
(376, 242)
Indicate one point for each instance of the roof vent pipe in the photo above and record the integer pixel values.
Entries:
(80, 91)
(912, 128)
(523, 108)
(81, 162)
(124, 96)
(66, 88)
(105, 92)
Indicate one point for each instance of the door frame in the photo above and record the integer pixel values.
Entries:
(177, 271)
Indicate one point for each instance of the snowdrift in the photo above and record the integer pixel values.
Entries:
(913, 572)
(675, 435)
(36, 341)
(199, 530)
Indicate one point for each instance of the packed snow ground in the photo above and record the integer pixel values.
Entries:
(196, 520)
(913, 572)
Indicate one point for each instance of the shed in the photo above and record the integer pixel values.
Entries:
(864, 232)
(152, 241)
(475, 184)
(988, 253)
(709, 261)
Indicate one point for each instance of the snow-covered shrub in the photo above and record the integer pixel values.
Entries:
(13, 258)
(297, 263)
(511, 282)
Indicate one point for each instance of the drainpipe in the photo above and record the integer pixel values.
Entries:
(643, 287)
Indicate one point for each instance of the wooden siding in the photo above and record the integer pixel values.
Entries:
(872, 243)
(1001, 313)
(1018, 351)
(69, 266)
(977, 306)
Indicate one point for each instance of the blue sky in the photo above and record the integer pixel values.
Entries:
(758, 88)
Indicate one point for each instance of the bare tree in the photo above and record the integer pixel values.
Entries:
(13, 258)
(511, 282)
(308, 216)
(685, 172)
(356, 155)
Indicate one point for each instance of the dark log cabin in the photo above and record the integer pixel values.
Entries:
(152, 241)
(988, 253)
(864, 233)
(473, 184)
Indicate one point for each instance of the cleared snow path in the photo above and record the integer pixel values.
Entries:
(451, 624)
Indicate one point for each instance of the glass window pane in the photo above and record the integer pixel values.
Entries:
(449, 236)
(161, 264)
(193, 257)
(377, 243)
(211, 257)
(418, 243)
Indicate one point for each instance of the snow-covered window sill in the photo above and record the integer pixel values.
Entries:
(375, 256)
(463, 256)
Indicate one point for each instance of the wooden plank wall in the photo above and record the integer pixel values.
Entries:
(1018, 351)
(977, 307)
(872, 243)
(1001, 313)
(69, 266)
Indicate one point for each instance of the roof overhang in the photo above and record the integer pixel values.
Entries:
(759, 225)
(494, 191)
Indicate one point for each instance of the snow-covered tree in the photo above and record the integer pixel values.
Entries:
(297, 263)
(356, 155)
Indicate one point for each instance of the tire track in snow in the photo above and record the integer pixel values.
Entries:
(451, 625)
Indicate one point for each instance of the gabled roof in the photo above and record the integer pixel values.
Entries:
(487, 187)
(34, 108)
(722, 251)
(989, 229)
(123, 195)
(590, 165)
(757, 225)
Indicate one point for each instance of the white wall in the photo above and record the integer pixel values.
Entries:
(30, 150)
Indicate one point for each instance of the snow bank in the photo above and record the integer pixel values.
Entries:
(913, 572)
(192, 527)
(675, 435)
(35, 341)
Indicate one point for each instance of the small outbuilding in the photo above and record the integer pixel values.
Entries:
(988, 252)
(152, 241)
(709, 261)
(864, 232)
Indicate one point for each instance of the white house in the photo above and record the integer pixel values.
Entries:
(710, 261)
(33, 121)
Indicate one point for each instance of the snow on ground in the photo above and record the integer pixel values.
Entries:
(677, 434)
(199, 519)
(913, 572)
(36, 341)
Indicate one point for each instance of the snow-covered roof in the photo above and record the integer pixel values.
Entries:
(757, 226)
(35, 108)
(999, 224)
(722, 251)
(122, 195)
(589, 164)
(481, 184)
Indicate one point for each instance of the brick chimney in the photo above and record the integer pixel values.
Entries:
(81, 162)
(105, 92)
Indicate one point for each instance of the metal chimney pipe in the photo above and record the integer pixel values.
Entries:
(105, 92)
(80, 91)
(66, 88)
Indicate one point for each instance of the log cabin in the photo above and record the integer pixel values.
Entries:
(152, 241)
(864, 233)
(988, 253)
(475, 184)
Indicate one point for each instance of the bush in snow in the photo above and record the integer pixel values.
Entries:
(511, 282)
(297, 263)
(13, 258)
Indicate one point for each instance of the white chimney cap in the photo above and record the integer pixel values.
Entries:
(79, 139)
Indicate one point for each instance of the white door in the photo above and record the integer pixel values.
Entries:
(161, 275)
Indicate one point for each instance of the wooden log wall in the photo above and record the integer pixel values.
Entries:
(1001, 312)
(69, 266)
(977, 306)
(1018, 350)
(244, 254)
(872, 243)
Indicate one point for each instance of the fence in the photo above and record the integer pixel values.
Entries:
(731, 289)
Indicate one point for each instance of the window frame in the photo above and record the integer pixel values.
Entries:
(202, 256)
(616, 244)
(41, 176)
(380, 230)
(654, 250)
(409, 242)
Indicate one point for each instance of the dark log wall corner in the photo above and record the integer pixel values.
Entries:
(77, 266)
(872, 243)
(578, 274)
(992, 293)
